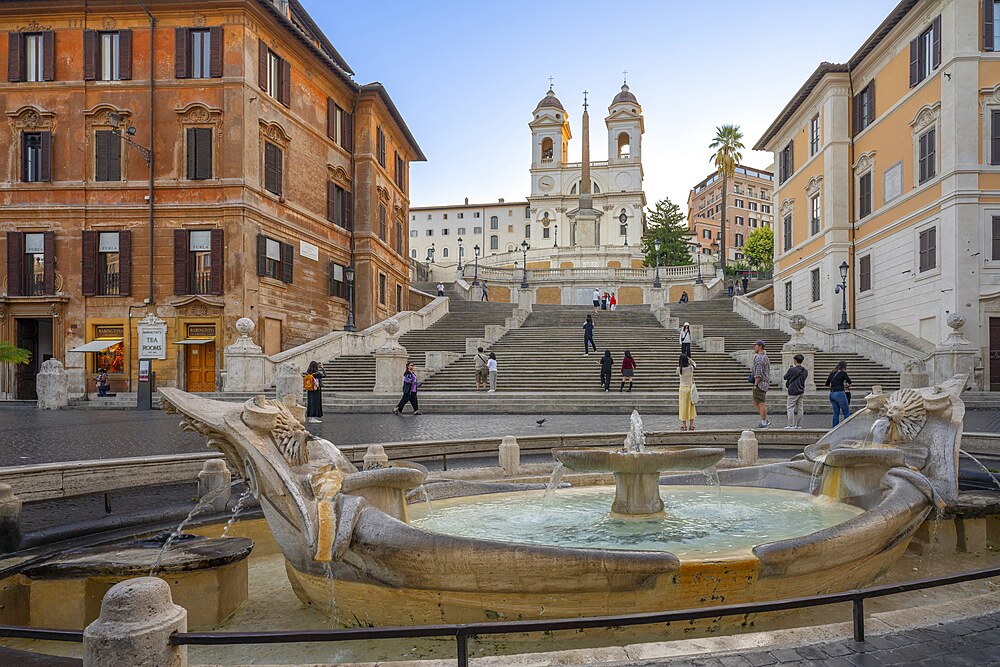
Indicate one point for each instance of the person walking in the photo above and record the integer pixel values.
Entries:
(761, 380)
(313, 384)
(685, 339)
(440, 288)
(686, 410)
(614, 302)
(597, 299)
(486, 294)
(482, 370)
(795, 384)
(839, 383)
(491, 366)
(628, 370)
(604, 301)
(588, 335)
(731, 288)
(410, 385)
(606, 364)
(746, 283)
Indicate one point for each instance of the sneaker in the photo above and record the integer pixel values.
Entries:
(586, 354)
(395, 411)
(763, 424)
(416, 412)
(798, 427)
(789, 427)
(492, 391)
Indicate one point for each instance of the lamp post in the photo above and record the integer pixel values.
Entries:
(460, 254)
(656, 250)
(349, 273)
(116, 120)
(475, 277)
(696, 251)
(555, 237)
(623, 218)
(842, 288)
(524, 264)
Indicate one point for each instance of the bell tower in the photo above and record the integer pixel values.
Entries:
(625, 128)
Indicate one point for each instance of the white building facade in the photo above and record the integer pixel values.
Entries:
(497, 228)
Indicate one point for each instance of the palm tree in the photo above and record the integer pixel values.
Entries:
(9, 353)
(727, 145)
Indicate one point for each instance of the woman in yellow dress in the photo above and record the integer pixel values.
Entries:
(686, 411)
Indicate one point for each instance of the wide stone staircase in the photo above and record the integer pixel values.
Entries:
(545, 355)
(718, 319)
(465, 319)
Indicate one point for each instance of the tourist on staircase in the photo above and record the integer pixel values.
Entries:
(597, 299)
(731, 288)
(313, 384)
(492, 366)
(440, 288)
(628, 370)
(684, 298)
(746, 284)
(606, 363)
(486, 294)
(410, 385)
(482, 370)
(588, 335)
(604, 301)
(760, 377)
(685, 339)
(839, 383)
(614, 302)
(686, 397)
(795, 383)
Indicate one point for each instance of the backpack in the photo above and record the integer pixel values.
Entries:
(309, 383)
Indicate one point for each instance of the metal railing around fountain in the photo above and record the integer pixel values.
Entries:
(463, 632)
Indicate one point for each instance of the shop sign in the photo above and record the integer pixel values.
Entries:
(152, 338)
(201, 331)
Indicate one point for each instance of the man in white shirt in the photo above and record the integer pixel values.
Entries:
(597, 299)
(440, 289)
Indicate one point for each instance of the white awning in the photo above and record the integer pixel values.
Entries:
(96, 345)
(195, 341)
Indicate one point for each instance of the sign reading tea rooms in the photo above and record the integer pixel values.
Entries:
(152, 337)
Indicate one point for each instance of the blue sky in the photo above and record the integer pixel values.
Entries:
(467, 75)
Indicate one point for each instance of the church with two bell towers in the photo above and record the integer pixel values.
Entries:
(587, 204)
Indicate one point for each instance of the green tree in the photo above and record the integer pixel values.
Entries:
(666, 223)
(727, 145)
(759, 249)
(9, 353)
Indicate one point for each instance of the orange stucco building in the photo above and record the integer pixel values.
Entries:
(748, 208)
(273, 171)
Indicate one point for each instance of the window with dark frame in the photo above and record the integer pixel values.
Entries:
(274, 74)
(275, 259)
(494, 242)
(339, 125)
(383, 215)
(995, 134)
(108, 157)
(863, 108)
(31, 56)
(814, 215)
(786, 162)
(34, 264)
(272, 168)
(108, 264)
(198, 261)
(197, 53)
(380, 146)
(338, 283)
(814, 135)
(382, 288)
(865, 195)
(399, 298)
(788, 295)
(991, 25)
(928, 250)
(35, 154)
(494, 222)
(865, 273)
(199, 153)
(814, 285)
(399, 238)
(399, 172)
(995, 229)
(927, 148)
(788, 233)
(925, 52)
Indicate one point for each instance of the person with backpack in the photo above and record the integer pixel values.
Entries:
(606, 364)
(687, 395)
(839, 383)
(795, 383)
(410, 385)
(482, 370)
(588, 335)
(312, 382)
(628, 371)
(491, 366)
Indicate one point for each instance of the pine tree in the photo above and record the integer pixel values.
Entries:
(666, 224)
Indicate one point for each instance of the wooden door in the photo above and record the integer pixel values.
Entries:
(995, 354)
(200, 363)
(27, 339)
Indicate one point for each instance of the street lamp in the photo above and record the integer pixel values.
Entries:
(475, 277)
(696, 251)
(656, 249)
(842, 288)
(115, 119)
(555, 237)
(349, 273)
(460, 254)
(524, 264)
(623, 218)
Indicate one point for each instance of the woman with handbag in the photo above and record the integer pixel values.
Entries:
(687, 393)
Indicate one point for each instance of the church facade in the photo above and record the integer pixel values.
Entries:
(559, 190)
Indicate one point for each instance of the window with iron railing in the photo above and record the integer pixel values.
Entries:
(108, 263)
(201, 276)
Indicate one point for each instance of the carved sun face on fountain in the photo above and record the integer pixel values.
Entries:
(906, 413)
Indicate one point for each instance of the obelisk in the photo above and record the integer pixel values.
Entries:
(586, 225)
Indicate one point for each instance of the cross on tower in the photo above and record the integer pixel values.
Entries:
(625, 76)
(585, 100)
(550, 83)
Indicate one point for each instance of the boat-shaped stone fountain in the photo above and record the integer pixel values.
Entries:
(356, 549)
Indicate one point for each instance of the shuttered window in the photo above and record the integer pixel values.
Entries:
(865, 273)
(928, 249)
(928, 156)
(399, 238)
(199, 153)
(382, 280)
(198, 53)
(995, 229)
(863, 108)
(275, 259)
(813, 135)
(108, 160)
(272, 168)
(36, 157)
(814, 215)
(339, 125)
(107, 55)
(338, 282)
(786, 162)
(383, 222)
(995, 137)
(199, 261)
(380, 146)
(787, 233)
(991, 29)
(400, 172)
(865, 195)
(925, 53)
(274, 74)
(30, 264)
(107, 263)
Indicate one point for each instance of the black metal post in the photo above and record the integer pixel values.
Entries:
(698, 280)
(475, 277)
(656, 280)
(350, 301)
(459, 254)
(859, 618)
(462, 642)
(524, 267)
(844, 324)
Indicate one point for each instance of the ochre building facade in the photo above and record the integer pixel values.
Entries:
(273, 172)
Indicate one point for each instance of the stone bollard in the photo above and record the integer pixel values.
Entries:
(10, 519)
(215, 480)
(510, 455)
(137, 618)
(288, 382)
(52, 385)
(375, 458)
(746, 449)
(245, 362)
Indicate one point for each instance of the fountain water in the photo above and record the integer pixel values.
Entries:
(989, 473)
(203, 504)
(240, 505)
(557, 474)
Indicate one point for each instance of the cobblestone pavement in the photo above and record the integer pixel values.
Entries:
(30, 436)
(974, 641)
